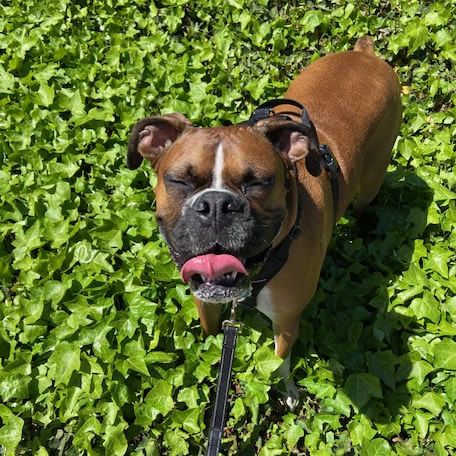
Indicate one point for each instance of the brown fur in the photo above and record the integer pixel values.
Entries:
(358, 116)
(353, 99)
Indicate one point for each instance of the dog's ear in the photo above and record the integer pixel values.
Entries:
(295, 141)
(150, 137)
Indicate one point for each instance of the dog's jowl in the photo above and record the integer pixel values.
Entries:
(228, 196)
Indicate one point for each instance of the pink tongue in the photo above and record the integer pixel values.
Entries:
(211, 266)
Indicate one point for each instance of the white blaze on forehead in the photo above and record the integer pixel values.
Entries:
(217, 180)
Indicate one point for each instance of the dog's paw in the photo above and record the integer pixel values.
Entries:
(291, 394)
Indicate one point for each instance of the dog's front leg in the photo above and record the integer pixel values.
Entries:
(209, 314)
(285, 335)
(286, 331)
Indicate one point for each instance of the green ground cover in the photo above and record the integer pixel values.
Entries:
(100, 345)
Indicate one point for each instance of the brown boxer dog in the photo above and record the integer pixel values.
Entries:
(226, 195)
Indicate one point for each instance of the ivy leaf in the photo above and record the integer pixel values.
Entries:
(426, 307)
(418, 34)
(311, 20)
(448, 437)
(238, 409)
(65, 359)
(420, 370)
(176, 441)
(11, 431)
(115, 441)
(257, 87)
(293, 434)
(438, 261)
(445, 354)
(362, 387)
(190, 396)
(45, 95)
(429, 401)
(138, 364)
(159, 397)
(422, 420)
(450, 388)
(72, 101)
(375, 447)
(266, 362)
(54, 291)
(188, 419)
(381, 364)
(160, 357)
(361, 429)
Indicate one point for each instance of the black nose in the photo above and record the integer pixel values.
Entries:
(219, 206)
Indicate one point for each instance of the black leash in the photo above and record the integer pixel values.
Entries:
(231, 328)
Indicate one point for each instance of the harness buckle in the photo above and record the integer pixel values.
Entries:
(260, 113)
(331, 165)
(329, 162)
(295, 232)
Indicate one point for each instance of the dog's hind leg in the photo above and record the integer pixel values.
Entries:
(377, 158)
(377, 151)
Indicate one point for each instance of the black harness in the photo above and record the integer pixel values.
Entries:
(275, 259)
(278, 256)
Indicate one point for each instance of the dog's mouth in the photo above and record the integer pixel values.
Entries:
(217, 277)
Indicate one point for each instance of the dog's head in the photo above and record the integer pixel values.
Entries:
(221, 195)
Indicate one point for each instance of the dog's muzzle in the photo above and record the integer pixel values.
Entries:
(218, 244)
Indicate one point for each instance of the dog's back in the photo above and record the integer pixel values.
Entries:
(353, 98)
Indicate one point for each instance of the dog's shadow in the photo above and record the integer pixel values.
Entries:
(357, 325)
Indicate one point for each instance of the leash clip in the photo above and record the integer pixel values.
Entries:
(232, 321)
